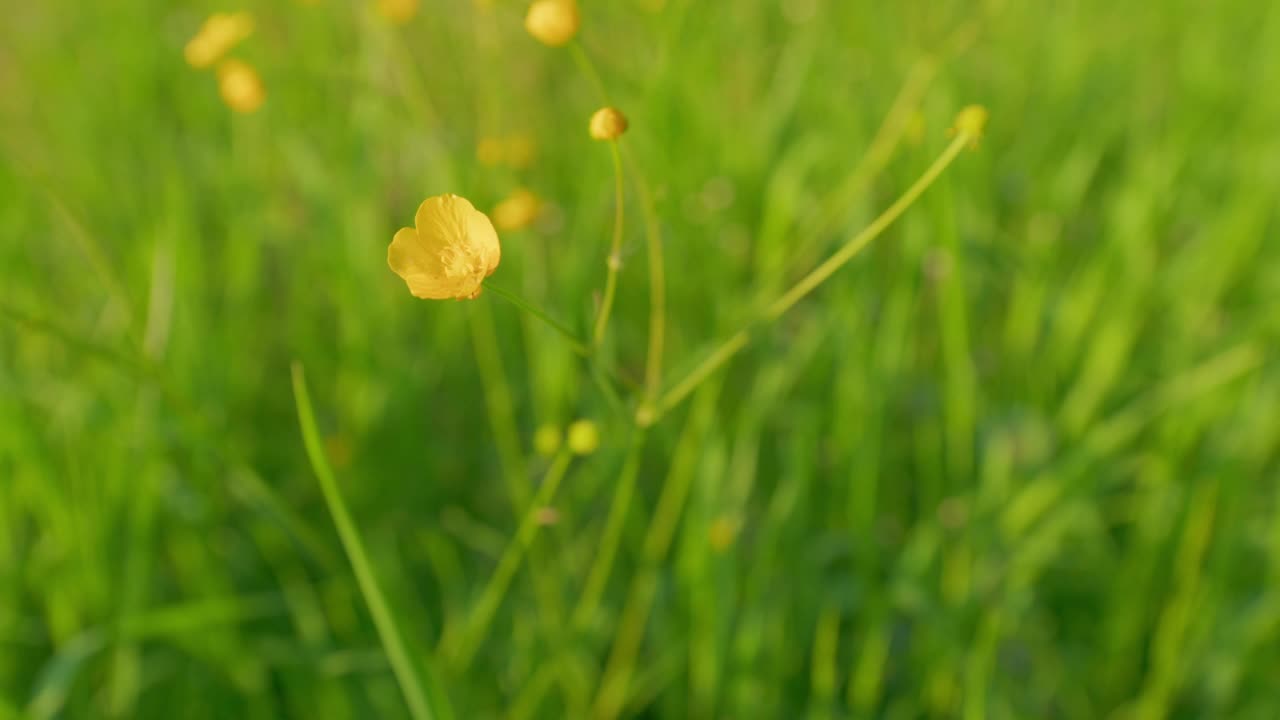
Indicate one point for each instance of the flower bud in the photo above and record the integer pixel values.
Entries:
(584, 437)
(216, 37)
(517, 211)
(971, 121)
(240, 86)
(553, 22)
(608, 123)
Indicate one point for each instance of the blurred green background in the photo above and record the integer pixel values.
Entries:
(1019, 459)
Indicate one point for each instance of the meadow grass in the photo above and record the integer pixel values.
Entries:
(1017, 456)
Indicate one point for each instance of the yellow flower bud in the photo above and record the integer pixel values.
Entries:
(450, 251)
(517, 211)
(608, 123)
(584, 437)
(971, 121)
(240, 86)
(398, 11)
(216, 37)
(553, 22)
(546, 441)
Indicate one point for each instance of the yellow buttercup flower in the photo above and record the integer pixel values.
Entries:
(449, 253)
(607, 123)
(398, 11)
(583, 437)
(240, 86)
(517, 211)
(215, 38)
(553, 22)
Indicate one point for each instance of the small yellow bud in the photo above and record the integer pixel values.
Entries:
(608, 123)
(646, 414)
(398, 11)
(553, 22)
(216, 37)
(584, 437)
(971, 121)
(240, 86)
(517, 211)
(546, 440)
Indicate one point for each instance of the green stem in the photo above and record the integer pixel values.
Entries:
(397, 655)
(818, 275)
(477, 624)
(578, 346)
(657, 283)
(589, 69)
(602, 565)
(614, 262)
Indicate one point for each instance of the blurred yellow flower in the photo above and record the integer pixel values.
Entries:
(489, 151)
(553, 22)
(584, 437)
(449, 253)
(972, 121)
(240, 86)
(607, 123)
(546, 440)
(215, 38)
(517, 211)
(398, 11)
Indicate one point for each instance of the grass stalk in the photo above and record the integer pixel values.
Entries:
(420, 705)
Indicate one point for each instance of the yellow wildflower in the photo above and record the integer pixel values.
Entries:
(240, 86)
(517, 211)
(971, 121)
(450, 252)
(608, 123)
(553, 22)
(215, 38)
(584, 437)
(398, 11)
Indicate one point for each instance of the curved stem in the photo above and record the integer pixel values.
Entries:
(463, 649)
(607, 548)
(397, 654)
(615, 252)
(657, 282)
(818, 275)
(589, 69)
(578, 346)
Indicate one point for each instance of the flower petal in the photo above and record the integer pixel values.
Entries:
(484, 240)
(420, 266)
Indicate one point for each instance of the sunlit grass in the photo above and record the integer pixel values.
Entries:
(867, 425)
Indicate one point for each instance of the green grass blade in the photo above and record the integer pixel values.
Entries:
(420, 706)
